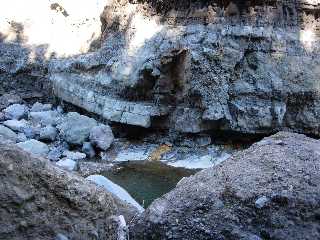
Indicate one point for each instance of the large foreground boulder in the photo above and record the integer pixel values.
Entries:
(270, 191)
(41, 201)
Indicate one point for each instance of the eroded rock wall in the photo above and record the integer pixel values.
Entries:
(247, 66)
(244, 66)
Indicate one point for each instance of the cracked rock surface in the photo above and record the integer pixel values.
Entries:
(258, 193)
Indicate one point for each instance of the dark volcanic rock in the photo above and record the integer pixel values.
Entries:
(40, 201)
(269, 191)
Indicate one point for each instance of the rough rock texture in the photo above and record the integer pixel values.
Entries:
(34, 147)
(247, 66)
(269, 191)
(75, 128)
(40, 201)
(101, 136)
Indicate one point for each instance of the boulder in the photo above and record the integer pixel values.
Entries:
(7, 134)
(101, 136)
(15, 111)
(67, 164)
(42, 201)
(75, 128)
(16, 125)
(269, 191)
(48, 133)
(45, 118)
(35, 147)
(7, 99)
(40, 107)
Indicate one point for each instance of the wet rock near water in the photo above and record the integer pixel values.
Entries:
(258, 193)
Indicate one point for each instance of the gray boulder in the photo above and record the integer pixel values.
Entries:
(269, 191)
(7, 134)
(101, 136)
(75, 128)
(41, 201)
(48, 133)
(40, 107)
(15, 111)
(16, 125)
(67, 164)
(45, 118)
(35, 147)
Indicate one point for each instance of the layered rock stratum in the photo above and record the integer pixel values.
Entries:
(243, 66)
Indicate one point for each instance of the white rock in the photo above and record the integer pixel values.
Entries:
(261, 202)
(102, 137)
(67, 164)
(16, 125)
(7, 134)
(39, 107)
(44, 118)
(115, 189)
(74, 155)
(15, 111)
(35, 147)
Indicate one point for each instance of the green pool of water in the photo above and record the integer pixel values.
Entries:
(146, 180)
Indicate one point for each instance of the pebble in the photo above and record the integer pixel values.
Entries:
(61, 237)
(261, 202)
(74, 155)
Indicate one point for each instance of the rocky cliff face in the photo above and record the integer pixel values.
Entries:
(269, 191)
(244, 66)
(247, 66)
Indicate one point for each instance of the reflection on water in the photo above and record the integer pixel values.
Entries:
(147, 180)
